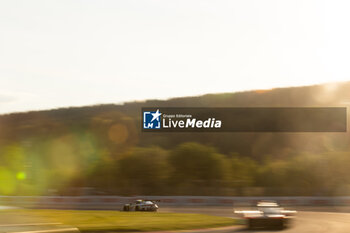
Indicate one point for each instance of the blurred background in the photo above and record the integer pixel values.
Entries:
(100, 150)
(62, 62)
(75, 74)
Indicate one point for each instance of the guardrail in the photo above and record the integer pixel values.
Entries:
(115, 202)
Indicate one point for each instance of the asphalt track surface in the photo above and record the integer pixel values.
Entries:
(310, 220)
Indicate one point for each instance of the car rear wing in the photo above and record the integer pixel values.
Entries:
(289, 212)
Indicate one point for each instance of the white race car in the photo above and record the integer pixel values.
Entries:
(141, 205)
(268, 214)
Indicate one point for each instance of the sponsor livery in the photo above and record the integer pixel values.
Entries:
(141, 205)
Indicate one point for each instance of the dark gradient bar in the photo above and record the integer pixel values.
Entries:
(316, 119)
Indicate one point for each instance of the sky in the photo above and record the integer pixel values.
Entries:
(73, 53)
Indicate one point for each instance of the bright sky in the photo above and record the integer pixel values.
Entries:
(72, 53)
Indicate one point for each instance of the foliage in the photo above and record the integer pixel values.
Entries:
(101, 147)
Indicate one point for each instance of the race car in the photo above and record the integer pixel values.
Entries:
(267, 215)
(141, 205)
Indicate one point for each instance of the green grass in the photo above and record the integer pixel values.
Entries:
(93, 221)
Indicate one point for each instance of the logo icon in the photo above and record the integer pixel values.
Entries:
(151, 120)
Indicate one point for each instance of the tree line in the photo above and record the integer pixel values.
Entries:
(188, 169)
(102, 149)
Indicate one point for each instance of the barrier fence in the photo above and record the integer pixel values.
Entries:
(115, 202)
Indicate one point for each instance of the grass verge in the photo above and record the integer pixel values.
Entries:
(97, 221)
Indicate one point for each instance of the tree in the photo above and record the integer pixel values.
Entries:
(243, 171)
(196, 165)
(143, 171)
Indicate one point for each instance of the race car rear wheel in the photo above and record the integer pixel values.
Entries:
(281, 225)
(126, 208)
(137, 208)
(251, 223)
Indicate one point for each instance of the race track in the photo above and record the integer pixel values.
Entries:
(305, 222)
(308, 220)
